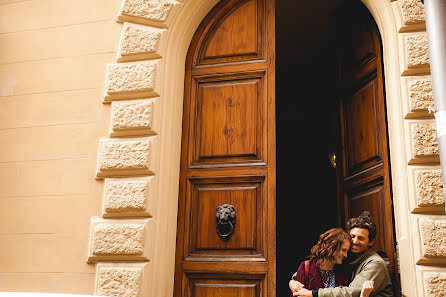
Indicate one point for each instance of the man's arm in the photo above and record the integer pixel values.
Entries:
(295, 286)
(349, 291)
(298, 278)
(374, 270)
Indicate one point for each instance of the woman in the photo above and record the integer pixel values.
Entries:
(325, 269)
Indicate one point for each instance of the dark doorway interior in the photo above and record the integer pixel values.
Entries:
(306, 121)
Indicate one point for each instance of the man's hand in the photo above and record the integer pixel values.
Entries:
(303, 293)
(367, 288)
(295, 286)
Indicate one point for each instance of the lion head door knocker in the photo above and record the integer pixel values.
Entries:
(225, 221)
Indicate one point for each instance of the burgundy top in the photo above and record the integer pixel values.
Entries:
(314, 279)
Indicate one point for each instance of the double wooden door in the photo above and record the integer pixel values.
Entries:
(226, 211)
(226, 214)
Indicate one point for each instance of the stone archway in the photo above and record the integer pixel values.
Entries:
(134, 240)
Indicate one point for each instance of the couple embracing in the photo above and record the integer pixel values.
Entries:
(326, 274)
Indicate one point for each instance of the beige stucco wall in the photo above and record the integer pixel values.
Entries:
(90, 130)
(53, 56)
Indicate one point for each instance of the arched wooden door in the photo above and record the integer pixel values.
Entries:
(228, 156)
(364, 175)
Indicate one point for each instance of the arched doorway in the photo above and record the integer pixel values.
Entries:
(227, 163)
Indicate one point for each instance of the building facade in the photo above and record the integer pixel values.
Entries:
(91, 116)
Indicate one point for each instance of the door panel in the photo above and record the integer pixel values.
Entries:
(238, 35)
(228, 289)
(229, 113)
(243, 200)
(361, 124)
(246, 197)
(242, 22)
(226, 285)
(228, 156)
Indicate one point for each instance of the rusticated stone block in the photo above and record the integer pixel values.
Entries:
(134, 118)
(139, 43)
(132, 80)
(433, 237)
(435, 284)
(122, 279)
(424, 141)
(412, 11)
(420, 95)
(128, 197)
(416, 53)
(120, 240)
(126, 157)
(148, 12)
(429, 188)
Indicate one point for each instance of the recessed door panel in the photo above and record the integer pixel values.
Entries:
(245, 198)
(229, 290)
(361, 125)
(226, 285)
(362, 46)
(236, 36)
(228, 124)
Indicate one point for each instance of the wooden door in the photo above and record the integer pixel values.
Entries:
(228, 156)
(364, 177)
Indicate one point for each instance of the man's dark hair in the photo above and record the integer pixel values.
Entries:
(364, 222)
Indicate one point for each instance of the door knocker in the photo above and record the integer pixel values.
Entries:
(225, 221)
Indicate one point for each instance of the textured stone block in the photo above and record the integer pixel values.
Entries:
(435, 284)
(139, 43)
(424, 141)
(148, 12)
(412, 12)
(132, 80)
(122, 279)
(128, 197)
(429, 188)
(433, 237)
(134, 118)
(416, 53)
(120, 240)
(420, 95)
(126, 157)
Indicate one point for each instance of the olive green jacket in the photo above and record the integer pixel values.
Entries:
(369, 266)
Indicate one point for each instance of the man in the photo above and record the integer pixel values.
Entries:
(366, 265)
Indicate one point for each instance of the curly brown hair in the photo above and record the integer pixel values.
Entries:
(328, 244)
(363, 222)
